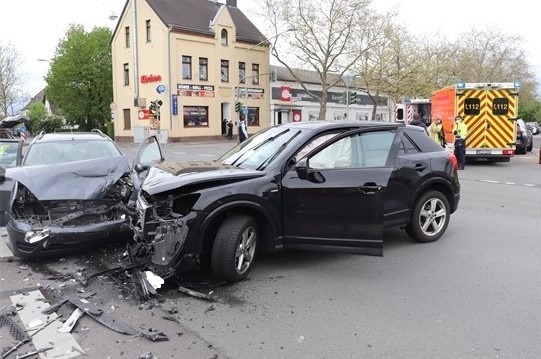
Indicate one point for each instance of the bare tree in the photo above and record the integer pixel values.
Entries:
(330, 37)
(10, 81)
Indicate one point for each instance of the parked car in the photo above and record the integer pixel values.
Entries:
(524, 141)
(327, 186)
(4, 133)
(534, 127)
(71, 191)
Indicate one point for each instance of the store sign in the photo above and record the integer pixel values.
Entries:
(250, 93)
(285, 94)
(146, 79)
(143, 114)
(195, 90)
(297, 115)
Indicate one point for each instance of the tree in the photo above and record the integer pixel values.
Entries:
(330, 37)
(36, 113)
(79, 81)
(10, 81)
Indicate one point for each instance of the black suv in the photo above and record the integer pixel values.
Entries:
(524, 141)
(328, 186)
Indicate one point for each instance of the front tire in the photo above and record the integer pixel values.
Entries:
(430, 217)
(234, 248)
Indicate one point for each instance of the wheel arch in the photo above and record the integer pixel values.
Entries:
(267, 226)
(439, 186)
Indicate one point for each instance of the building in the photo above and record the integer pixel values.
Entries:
(196, 58)
(291, 102)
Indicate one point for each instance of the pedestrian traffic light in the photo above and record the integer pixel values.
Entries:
(352, 97)
(238, 106)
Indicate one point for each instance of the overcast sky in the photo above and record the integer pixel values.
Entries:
(35, 27)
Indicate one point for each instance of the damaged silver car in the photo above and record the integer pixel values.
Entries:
(71, 192)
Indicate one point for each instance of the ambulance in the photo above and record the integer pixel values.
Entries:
(404, 110)
(490, 112)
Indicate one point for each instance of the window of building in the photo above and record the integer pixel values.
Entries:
(255, 74)
(203, 69)
(148, 30)
(187, 67)
(127, 120)
(196, 116)
(126, 74)
(127, 34)
(242, 72)
(253, 116)
(224, 37)
(224, 70)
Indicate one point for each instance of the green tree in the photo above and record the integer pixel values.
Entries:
(36, 113)
(79, 80)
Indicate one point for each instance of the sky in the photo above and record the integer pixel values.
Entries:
(35, 27)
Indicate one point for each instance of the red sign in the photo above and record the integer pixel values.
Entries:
(145, 79)
(143, 114)
(285, 94)
(297, 115)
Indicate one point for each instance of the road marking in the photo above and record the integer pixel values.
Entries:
(33, 303)
(511, 183)
(4, 250)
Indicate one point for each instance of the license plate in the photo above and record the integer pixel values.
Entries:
(483, 152)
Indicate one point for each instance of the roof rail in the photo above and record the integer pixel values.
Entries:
(99, 132)
(41, 134)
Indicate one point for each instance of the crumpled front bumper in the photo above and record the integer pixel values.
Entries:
(63, 240)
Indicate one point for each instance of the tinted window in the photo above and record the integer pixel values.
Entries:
(407, 147)
(420, 138)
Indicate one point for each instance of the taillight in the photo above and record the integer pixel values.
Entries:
(453, 160)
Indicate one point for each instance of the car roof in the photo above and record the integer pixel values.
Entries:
(316, 125)
(71, 136)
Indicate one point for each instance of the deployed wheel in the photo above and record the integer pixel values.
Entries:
(430, 217)
(234, 248)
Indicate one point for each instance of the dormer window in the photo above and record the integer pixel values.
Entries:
(224, 37)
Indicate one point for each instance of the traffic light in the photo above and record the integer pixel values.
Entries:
(342, 98)
(352, 97)
(238, 106)
(155, 108)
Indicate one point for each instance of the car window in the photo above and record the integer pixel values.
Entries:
(407, 147)
(9, 154)
(369, 149)
(43, 153)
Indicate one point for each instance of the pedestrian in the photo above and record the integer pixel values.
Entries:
(243, 129)
(416, 121)
(229, 126)
(460, 131)
(436, 131)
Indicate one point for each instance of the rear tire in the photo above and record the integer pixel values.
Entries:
(234, 248)
(430, 217)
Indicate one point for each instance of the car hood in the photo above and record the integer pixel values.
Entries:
(171, 175)
(81, 180)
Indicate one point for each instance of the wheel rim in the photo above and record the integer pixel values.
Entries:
(432, 217)
(245, 250)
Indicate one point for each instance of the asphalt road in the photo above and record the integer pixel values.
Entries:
(473, 294)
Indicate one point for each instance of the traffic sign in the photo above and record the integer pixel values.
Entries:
(245, 110)
(160, 89)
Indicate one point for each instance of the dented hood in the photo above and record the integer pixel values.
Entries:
(82, 180)
(171, 175)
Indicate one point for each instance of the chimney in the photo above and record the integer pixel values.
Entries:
(231, 3)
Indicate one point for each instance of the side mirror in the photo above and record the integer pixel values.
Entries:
(302, 168)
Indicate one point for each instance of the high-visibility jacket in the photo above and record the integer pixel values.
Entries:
(461, 130)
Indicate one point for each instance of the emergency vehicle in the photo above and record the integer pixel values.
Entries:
(404, 111)
(490, 112)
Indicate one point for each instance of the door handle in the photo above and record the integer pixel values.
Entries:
(370, 188)
(419, 167)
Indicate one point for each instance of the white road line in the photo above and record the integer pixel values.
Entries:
(4, 250)
(33, 303)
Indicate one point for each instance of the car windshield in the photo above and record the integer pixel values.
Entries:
(45, 153)
(260, 150)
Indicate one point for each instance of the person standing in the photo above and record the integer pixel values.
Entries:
(416, 121)
(243, 129)
(460, 131)
(435, 130)
(229, 127)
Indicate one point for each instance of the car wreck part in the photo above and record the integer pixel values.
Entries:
(33, 353)
(72, 320)
(37, 235)
(95, 313)
(155, 336)
(195, 294)
(18, 332)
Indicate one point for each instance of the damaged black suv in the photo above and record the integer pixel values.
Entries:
(71, 191)
(329, 186)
